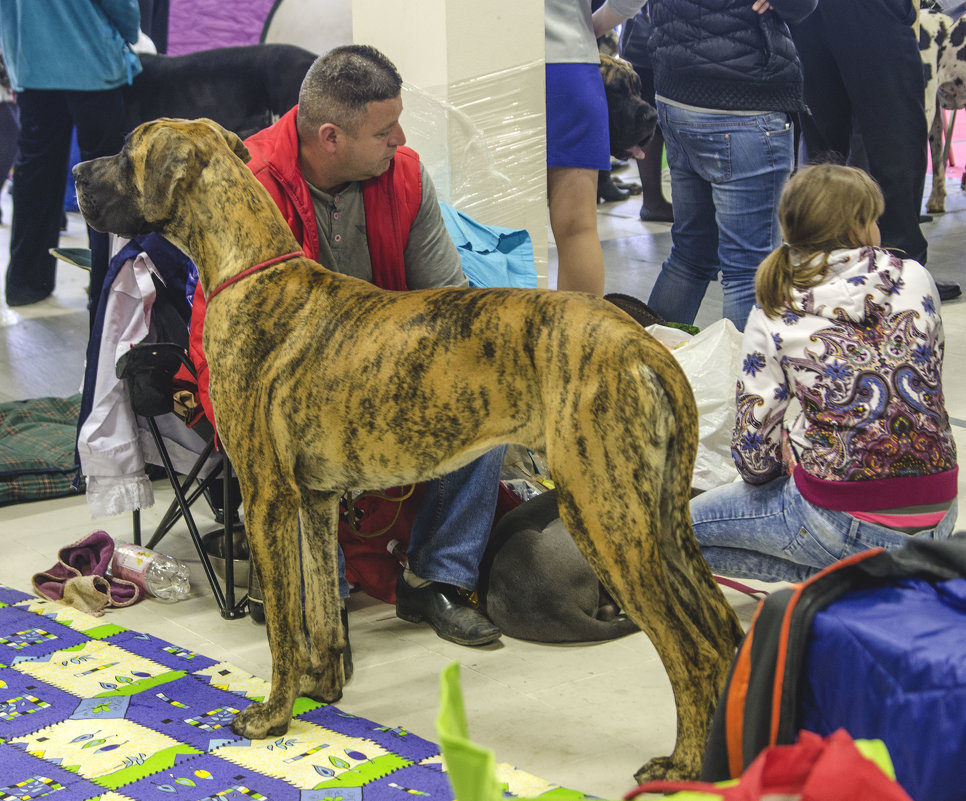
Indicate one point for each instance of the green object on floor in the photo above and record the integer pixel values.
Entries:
(37, 442)
(471, 768)
(79, 257)
(687, 328)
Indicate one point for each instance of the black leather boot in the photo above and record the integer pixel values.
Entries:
(447, 609)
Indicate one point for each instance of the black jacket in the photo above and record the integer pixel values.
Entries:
(721, 54)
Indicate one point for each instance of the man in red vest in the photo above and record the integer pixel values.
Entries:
(362, 204)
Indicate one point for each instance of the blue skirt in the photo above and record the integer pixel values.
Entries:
(577, 134)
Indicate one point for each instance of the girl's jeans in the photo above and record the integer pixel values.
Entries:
(771, 533)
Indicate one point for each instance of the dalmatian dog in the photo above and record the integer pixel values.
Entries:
(942, 46)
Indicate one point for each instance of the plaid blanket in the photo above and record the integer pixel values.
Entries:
(37, 443)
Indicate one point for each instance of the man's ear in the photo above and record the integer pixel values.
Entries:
(329, 135)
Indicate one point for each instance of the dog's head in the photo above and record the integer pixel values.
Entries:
(631, 119)
(138, 190)
(952, 72)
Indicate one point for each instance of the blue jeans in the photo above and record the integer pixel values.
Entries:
(727, 173)
(770, 532)
(453, 524)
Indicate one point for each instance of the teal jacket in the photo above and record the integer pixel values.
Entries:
(80, 45)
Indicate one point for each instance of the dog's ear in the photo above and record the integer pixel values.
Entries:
(165, 171)
(234, 142)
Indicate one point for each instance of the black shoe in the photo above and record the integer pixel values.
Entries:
(26, 297)
(447, 610)
(948, 290)
(661, 213)
(608, 191)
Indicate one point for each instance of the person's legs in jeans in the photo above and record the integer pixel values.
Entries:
(693, 261)
(744, 531)
(452, 526)
(769, 532)
(99, 119)
(449, 536)
(40, 179)
(746, 203)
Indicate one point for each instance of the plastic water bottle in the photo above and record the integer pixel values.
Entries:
(156, 573)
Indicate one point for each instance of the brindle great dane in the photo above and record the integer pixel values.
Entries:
(322, 382)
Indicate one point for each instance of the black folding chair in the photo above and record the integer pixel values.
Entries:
(149, 371)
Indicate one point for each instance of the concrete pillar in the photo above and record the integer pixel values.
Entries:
(474, 102)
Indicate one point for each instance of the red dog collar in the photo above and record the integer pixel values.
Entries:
(253, 269)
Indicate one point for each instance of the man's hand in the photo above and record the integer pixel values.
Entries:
(761, 6)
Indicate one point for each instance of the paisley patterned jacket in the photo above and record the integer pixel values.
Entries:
(855, 378)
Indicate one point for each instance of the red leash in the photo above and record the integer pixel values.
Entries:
(737, 585)
(253, 269)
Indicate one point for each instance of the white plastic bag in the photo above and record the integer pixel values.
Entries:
(710, 361)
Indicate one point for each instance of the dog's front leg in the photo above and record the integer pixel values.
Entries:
(271, 519)
(328, 668)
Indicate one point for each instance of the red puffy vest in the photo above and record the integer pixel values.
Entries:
(391, 202)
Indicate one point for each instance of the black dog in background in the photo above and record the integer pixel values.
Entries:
(243, 89)
(536, 585)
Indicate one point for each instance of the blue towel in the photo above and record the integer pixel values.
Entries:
(491, 256)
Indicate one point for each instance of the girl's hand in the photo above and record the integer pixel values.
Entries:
(761, 6)
(788, 453)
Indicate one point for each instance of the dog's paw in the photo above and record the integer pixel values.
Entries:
(257, 722)
(665, 769)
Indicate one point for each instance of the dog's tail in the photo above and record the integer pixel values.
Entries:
(592, 629)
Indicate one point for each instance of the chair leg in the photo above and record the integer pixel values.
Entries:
(228, 542)
(228, 612)
(174, 510)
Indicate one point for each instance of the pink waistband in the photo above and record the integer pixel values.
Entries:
(879, 493)
(918, 521)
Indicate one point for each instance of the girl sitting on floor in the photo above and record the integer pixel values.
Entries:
(853, 334)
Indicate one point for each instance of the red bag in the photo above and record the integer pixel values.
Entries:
(370, 522)
(813, 769)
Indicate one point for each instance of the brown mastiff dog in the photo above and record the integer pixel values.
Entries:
(631, 120)
(321, 382)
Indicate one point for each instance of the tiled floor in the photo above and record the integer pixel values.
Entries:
(582, 716)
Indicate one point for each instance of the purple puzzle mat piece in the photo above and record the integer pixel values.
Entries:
(8, 595)
(394, 739)
(24, 635)
(414, 781)
(205, 777)
(26, 777)
(161, 651)
(189, 711)
(27, 704)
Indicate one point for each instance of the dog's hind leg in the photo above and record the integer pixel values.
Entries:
(271, 519)
(633, 525)
(326, 671)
